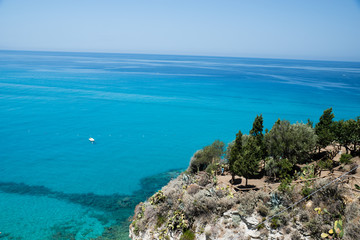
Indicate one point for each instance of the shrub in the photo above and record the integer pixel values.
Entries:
(272, 168)
(285, 186)
(331, 197)
(262, 209)
(303, 216)
(353, 166)
(247, 202)
(177, 220)
(188, 235)
(211, 168)
(306, 191)
(291, 141)
(296, 236)
(326, 164)
(275, 223)
(314, 226)
(278, 168)
(160, 220)
(157, 198)
(345, 158)
(192, 189)
(203, 179)
(204, 157)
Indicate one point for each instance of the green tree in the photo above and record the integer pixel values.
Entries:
(293, 142)
(324, 129)
(347, 134)
(257, 133)
(208, 155)
(278, 168)
(234, 152)
(257, 128)
(248, 151)
(356, 137)
(341, 135)
(247, 162)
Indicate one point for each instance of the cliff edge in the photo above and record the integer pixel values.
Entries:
(198, 206)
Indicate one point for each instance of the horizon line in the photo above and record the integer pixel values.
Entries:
(179, 54)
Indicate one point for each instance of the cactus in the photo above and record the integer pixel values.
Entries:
(177, 221)
(338, 228)
(157, 198)
(337, 232)
(321, 211)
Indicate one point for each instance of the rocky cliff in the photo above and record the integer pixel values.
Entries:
(198, 206)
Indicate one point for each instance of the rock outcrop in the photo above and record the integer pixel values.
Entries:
(197, 207)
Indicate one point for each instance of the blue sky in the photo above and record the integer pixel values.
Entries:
(302, 29)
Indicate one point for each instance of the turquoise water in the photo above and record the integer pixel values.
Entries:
(148, 115)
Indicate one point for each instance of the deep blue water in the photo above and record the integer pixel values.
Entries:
(148, 115)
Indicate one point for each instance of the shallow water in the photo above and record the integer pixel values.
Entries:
(147, 113)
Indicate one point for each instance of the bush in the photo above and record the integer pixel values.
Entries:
(353, 166)
(157, 198)
(211, 168)
(280, 168)
(177, 220)
(192, 189)
(160, 221)
(345, 158)
(306, 191)
(262, 209)
(203, 179)
(331, 197)
(314, 226)
(206, 156)
(272, 168)
(275, 223)
(296, 236)
(285, 186)
(292, 141)
(248, 202)
(326, 164)
(188, 235)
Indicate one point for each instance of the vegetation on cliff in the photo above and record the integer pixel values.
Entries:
(203, 203)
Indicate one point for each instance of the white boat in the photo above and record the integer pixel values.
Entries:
(91, 140)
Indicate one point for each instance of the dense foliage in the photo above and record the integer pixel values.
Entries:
(286, 145)
(246, 152)
(292, 141)
(347, 134)
(324, 129)
(233, 152)
(207, 157)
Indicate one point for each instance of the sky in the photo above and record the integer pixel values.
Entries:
(293, 29)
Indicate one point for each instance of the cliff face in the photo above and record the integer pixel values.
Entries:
(199, 207)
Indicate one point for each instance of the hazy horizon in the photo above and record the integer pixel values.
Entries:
(306, 30)
(188, 55)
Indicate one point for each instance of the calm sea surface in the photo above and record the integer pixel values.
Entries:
(148, 115)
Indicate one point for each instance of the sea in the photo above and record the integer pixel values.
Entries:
(148, 114)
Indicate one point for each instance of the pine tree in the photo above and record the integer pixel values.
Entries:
(257, 133)
(247, 163)
(235, 152)
(324, 129)
(257, 128)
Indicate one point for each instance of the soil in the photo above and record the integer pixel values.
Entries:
(263, 183)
